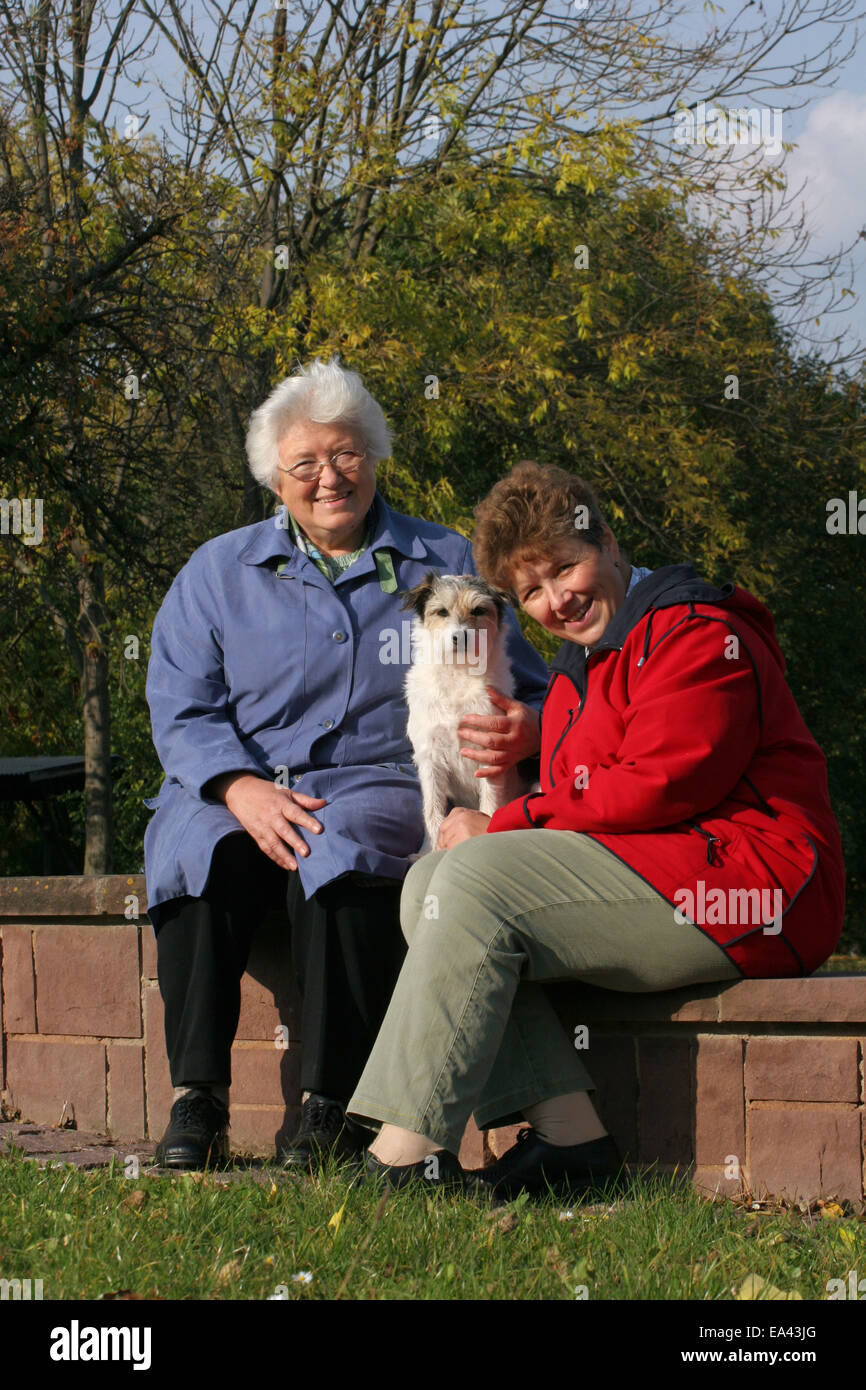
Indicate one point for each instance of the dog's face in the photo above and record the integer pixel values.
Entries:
(461, 615)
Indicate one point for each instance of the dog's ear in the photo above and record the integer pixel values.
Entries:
(502, 599)
(417, 598)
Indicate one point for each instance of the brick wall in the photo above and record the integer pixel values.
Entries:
(758, 1083)
(83, 1018)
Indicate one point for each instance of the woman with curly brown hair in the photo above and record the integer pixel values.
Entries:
(682, 834)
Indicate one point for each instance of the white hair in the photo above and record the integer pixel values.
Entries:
(323, 392)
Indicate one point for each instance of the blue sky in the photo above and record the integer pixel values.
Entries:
(827, 124)
(830, 161)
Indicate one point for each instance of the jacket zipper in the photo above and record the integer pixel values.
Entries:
(571, 716)
(711, 840)
(571, 721)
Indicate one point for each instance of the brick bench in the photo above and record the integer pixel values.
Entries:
(759, 1083)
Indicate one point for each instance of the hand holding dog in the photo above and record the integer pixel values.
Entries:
(506, 739)
(461, 824)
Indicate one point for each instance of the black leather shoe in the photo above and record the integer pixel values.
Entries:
(440, 1169)
(533, 1165)
(197, 1134)
(324, 1131)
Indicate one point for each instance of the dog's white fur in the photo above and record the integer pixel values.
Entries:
(458, 647)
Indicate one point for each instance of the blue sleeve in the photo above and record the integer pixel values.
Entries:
(193, 730)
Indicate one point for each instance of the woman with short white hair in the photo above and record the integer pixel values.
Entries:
(279, 719)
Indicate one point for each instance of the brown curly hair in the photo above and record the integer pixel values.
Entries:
(527, 513)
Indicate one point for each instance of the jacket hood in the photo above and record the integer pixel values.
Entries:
(664, 588)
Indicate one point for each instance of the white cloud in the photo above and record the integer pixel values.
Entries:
(829, 161)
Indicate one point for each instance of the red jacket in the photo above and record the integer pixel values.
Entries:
(678, 745)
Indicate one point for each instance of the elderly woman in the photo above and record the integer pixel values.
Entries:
(279, 719)
(682, 834)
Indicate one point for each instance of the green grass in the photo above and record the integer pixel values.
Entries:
(88, 1234)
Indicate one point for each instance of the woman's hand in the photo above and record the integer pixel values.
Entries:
(461, 824)
(506, 738)
(270, 814)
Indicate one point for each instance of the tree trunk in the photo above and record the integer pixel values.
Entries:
(96, 712)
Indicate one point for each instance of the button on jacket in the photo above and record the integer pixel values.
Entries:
(259, 664)
(678, 745)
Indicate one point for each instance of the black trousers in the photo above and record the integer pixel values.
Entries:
(347, 950)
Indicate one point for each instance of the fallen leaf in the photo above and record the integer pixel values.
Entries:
(336, 1220)
(555, 1260)
(831, 1211)
(754, 1287)
(135, 1200)
(507, 1222)
(229, 1271)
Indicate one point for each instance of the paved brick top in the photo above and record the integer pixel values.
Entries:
(50, 1145)
(816, 1000)
(826, 1000)
(71, 895)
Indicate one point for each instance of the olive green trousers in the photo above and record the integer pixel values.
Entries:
(469, 1027)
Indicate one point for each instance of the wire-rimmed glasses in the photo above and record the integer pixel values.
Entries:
(310, 470)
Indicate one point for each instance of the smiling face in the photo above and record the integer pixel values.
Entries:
(574, 590)
(332, 509)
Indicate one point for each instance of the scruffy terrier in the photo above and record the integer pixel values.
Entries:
(458, 647)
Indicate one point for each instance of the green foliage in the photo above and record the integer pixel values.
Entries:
(487, 336)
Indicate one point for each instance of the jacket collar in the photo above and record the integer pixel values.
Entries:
(272, 539)
(664, 587)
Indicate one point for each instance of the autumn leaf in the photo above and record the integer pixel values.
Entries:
(229, 1271)
(831, 1211)
(134, 1201)
(336, 1220)
(754, 1287)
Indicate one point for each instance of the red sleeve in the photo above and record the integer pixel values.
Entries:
(691, 730)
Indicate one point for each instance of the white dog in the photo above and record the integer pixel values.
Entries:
(458, 647)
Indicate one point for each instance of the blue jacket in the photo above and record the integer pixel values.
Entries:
(259, 664)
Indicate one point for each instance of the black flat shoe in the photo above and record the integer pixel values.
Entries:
(324, 1132)
(197, 1134)
(440, 1169)
(533, 1165)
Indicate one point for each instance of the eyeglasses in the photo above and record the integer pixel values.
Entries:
(308, 470)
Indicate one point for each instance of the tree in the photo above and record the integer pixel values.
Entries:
(89, 219)
(325, 115)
